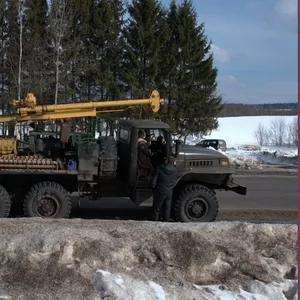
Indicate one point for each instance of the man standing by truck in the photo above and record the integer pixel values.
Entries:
(163, 182)
(144, 157)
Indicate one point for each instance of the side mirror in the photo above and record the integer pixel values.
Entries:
(178, 144)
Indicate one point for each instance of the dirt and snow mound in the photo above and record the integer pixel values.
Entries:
(249, 157)
(59, 259)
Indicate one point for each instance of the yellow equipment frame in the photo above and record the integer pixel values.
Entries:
(28, 110)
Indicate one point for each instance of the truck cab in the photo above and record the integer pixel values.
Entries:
(203, 170)
(127, 146)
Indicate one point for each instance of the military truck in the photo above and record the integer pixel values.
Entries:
(108, 166)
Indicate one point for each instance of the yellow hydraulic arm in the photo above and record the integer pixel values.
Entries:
(28, 110)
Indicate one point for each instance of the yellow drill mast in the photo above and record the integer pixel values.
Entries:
(28, 110)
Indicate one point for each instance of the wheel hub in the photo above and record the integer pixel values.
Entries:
(197, 209)
(47, 207)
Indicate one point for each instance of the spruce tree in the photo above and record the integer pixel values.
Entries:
(194, 98)
(143, 36)
(82, 67)
(114, 53)
(98, 65)
(35, 49)
(12, 47)
(169, 59)
(109, 47)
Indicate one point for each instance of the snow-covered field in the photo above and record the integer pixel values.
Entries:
(242, 147)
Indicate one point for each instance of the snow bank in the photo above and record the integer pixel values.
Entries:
(260, 156)
(255, 157)
(124, 287)
(92, 259)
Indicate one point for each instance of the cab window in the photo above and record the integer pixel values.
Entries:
(124, 134)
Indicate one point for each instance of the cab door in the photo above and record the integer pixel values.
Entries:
(124, 152)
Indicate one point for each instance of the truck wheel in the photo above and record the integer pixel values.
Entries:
(47, 200)
(4, 202)
(196, 203)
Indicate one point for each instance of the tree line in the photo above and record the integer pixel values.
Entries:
(103, 50)
(272, 109)
(279, 106)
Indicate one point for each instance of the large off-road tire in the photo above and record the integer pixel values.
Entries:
(47, 200)
(195, 203)
(4, 202)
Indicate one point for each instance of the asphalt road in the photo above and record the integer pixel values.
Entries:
(269, 199)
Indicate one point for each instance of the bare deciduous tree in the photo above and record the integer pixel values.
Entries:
(278, 132)
(20, 13)
(59, 26)
(292, 133)
(262, 135)
(65, 46)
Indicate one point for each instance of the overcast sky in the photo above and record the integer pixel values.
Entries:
(255, 48)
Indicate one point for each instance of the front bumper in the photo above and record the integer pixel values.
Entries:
(232, 186)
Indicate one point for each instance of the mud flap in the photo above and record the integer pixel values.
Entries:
(239, 189)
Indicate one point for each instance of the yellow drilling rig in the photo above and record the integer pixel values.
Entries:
(28, 110)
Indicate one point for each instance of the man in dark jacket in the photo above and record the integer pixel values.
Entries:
(163, 182)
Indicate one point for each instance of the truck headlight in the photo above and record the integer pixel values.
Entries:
(224, 163)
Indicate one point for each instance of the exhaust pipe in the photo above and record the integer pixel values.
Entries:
(177, 148)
